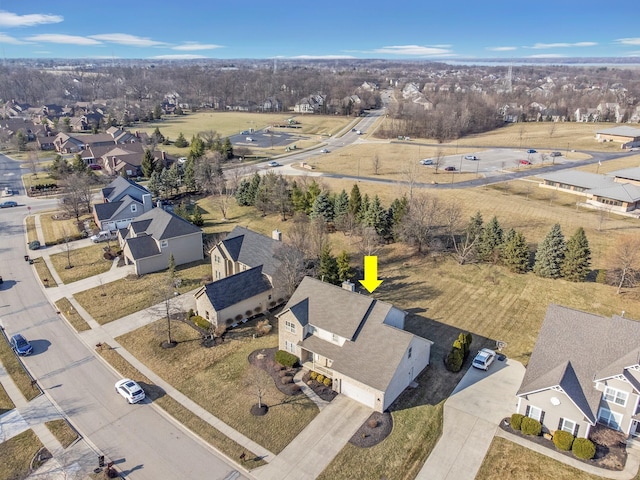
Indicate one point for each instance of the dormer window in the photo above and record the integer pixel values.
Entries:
(134, 208)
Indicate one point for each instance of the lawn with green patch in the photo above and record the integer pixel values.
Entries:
(85, 262)
(187, 418)
(506, 459)
(71, 314)
(219, 379)
(44, 273)
(62, 431)
(16, 455)
(5, 402)
(13, 366)
(135, 293)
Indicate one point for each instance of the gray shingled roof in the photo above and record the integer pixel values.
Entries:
(575, 348)
(143, 247)
(579, 179)
(235, 288)
(375, 349)
(105, 211)
(632, 173)
(624, 192)
(118, 186)
(623, 131)
(163, 225)
(252, 249)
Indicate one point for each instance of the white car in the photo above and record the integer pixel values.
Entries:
(484, 358)
(471, 157)
(130, 390)
(324, 150)
(426, 161)
(273, 164)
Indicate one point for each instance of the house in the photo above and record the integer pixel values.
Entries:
(154, 236)
(122, 201)
(357, 341)
(584, 369)
(246, 269)
(310, 104)
(628, 136)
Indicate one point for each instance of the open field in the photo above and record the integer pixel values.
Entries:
(137, 293)
(62, 431)
(220, 379)
(16, 455)
(183, 415)
(5, 402)
(506, 459)
(72, 315)
(86, 262)
(13, 367)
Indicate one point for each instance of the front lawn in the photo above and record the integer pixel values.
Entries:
(71, 314)
(218, 379)
(5, 402)
(85, 262)
(16, 455)
(62, 431)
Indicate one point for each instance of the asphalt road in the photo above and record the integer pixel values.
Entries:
(143, 442)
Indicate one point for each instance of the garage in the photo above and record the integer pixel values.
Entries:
(358, 393)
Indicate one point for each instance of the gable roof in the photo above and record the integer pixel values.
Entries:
(233, 289)
(252, 249)
(574, 349)
(622, 131)
(373, 350)
(162, 225)
(632, 173)
(624, 192)
(579, 179)
(142, 247)
(117, 188)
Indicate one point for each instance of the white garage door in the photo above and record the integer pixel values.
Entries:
(358, 393)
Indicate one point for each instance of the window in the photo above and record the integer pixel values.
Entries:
(535, 413)
(568, 426)
(206, 314)
(409, 353)
(289, 346)
(164, 243)
(616, 396)
(609, 418)
(290, 326)
(218, 276)
(134, 208)
(216, 258)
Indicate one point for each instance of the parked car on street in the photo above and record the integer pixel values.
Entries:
(556, 154)
(8, 204)
(7, 192)
(273, 163)
(130, 390)
(426, 161)
(20, 345)
(531, 150)
(35, 245)
(484, 359)
(471, 157)
(450, 168)
(324, 150)
(525, 162)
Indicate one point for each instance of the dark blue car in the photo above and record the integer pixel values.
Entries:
(20, 345)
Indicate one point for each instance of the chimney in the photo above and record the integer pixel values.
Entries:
(276, 235)
(146, 202)
(347, 285)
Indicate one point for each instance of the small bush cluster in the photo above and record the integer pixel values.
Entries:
(516, 421)
(200, 322)
(459, 352)
(287, 359)
(531, 426)
(313, 375)
(583, 448)
(562, 440)
(327, 382)
(320, 378)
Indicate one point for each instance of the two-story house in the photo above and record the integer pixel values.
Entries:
(357, 341)
(584, 369)
(122, 201)
(154, 236)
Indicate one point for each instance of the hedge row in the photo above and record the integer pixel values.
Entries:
(459, 352)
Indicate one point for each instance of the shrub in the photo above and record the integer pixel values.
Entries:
(562, 440)
(295, 388)
(327, 382)
(229, 321)
(286, 379)
(601, 277)
(238, 317)
(531, 426)
(468, 339)
(258, 309)
(248, 313)
(190, 313)
(583, 448)
(454, 360)
(282, 373)
(200, 322)
(313, 375)
(285, 358)
(516, 421)
(372, 423)
(459, 345)
(320, 378)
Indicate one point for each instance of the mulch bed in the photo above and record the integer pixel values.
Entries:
(325, 393)
(611, 452)
(377, 427)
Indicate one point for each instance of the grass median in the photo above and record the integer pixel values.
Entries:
(16, 371)
(65, 307)
(5, 401)
(43, 272)
(62, 431)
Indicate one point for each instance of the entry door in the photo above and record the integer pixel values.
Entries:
(635, 428)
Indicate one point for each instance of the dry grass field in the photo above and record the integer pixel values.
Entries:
(16, 455)
(71, 314)
(219, 379)
(5, 402)
(86, 262)
(62, 431)
(55, 230)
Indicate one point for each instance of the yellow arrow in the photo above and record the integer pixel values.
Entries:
(370, 281)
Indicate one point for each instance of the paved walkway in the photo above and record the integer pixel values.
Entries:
(308, 391)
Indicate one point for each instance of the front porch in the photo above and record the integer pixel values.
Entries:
(316, 367)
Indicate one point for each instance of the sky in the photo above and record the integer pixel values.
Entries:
(330, 29)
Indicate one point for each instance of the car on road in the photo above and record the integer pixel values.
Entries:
(426, 161)
(34, 245)
(7, 192)
(273, 164)
(130, 390)
(556, 154)
(531, 150)
(484, 359)
(524, 162)
(20, 345)
(471, 157)
(450, 168)
(324, 150)
(8, 204)
(249, 139)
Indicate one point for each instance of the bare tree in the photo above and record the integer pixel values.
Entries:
(33, 161)
(291, 270)
(76, 199)
(257, 382)
(552, 129)
(410, 177)
(67, 246)
(437, 160)
(369, 242)
(624, 262)
(375, 163)
(420, 221)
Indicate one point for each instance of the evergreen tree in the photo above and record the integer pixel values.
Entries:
(298, 198)
(475, 227)
(328, 268)
(196, 218)
(490, 241)
(242, 193)
(344, 269)
(173, 177)
(375, 216)
(157, 114)
(154, 185)
(148, 164)
(364, 206)
(550, 254)
(21, 141)
(252, 191)
(189, 178)
(180, 142)
(515, 252)
(157, 136)
(196, 147)
(311, 194)
(355, 200)
(181, 210)
(341, 205)
(577, 257)
(322, 208)
(227, 149)
(79, 165)
(165, 182)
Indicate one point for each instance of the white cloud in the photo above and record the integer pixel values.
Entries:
(4, 38)
(181, 56)
(8, 19)
(563, 45)
(501, 49)
(193, 46)
(126, 39)
(414, 50)
(547, 55)
(322, 57)
(629, 41)
(66, 39)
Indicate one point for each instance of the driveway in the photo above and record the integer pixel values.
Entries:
(471, 417)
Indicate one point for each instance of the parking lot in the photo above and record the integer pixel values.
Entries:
(495, 160)
(265, 139)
